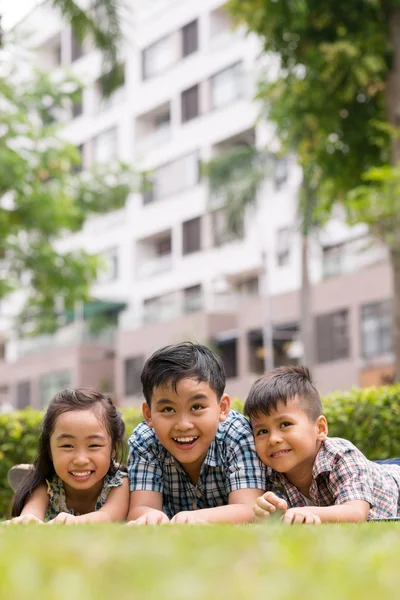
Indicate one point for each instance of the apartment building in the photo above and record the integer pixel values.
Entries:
(173, 272)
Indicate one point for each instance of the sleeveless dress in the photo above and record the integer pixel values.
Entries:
(58, 502)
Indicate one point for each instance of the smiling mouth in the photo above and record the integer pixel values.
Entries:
(186, 441)
(280, 453)
(81, 474)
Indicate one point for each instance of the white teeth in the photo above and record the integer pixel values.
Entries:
(185, 440)
(80, 474)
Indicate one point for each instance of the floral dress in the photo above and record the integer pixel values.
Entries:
(58, 501)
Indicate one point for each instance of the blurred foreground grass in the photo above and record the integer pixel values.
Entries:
(200, 562)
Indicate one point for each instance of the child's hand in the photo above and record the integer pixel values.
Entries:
(269, 503)
(300, 516)
(152, 517)
(64, 519)
(23, 520)
(189, 517)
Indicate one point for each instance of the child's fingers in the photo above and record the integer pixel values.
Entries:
(260, 512)
(277, 502)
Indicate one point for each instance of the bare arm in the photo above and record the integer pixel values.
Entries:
(239, 510)
(114, 509)
(354, 511)
(35, 507)
(145, 508)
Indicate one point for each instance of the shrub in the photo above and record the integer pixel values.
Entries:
(369, 417)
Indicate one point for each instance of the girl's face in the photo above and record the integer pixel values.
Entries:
(81, 450)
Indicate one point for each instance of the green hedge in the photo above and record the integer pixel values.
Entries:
(369, 417)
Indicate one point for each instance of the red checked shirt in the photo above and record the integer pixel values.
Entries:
(342, 473)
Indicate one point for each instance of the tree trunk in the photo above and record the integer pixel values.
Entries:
(393, 81)
(306, 318)
(395, 261)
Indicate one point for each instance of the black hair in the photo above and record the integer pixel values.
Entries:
(171, 364)
(65, 401)
(283, 384)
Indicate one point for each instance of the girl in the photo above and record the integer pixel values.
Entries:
(75, 478)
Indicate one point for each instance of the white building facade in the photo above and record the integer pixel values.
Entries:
(187, 87)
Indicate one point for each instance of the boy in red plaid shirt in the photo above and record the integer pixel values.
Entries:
(323, 479)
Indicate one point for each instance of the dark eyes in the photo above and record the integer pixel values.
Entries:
(283, 425)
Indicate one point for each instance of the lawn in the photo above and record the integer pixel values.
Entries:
(268, 561)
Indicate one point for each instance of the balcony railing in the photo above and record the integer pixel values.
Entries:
(74, 334)
(159, 136)
(154, 266)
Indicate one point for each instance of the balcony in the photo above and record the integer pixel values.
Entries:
(153, 129)
(154, 255)
(154, 266)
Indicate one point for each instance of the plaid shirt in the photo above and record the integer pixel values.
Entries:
(342, 473)
(231, 464)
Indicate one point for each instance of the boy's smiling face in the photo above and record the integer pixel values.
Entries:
(186, 420)
(287, 440)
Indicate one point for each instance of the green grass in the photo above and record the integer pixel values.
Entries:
(271, 562)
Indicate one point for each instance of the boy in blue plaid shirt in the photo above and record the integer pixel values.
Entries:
(192, 460)
(323, 479)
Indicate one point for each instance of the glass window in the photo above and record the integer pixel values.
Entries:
(190, 103)
(332, 336)
(226, 86)
(191, 236)
(189, 38)
(283, 240)
(52, 383)
(192, 299)
(109, 268)
(23, 394)
(376, 329)
(172, 178)
(105, 146)
(159, 56)
(133, 369)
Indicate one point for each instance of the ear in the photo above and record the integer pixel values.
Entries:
(322, 428)
(147, 414)
(224, 406)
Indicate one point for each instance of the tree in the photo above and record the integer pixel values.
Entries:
(339, 68)
(42, 197)
(103, 24)
(236, 177)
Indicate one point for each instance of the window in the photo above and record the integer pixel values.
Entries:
(226, 86)
(52, 383)
(227, 351)
(332, 260)
(220, 231)
(109, 269)
(189, 38)
(76, 47)
(281, 171)
(191, 236)
(283, 236)
(105, 146)
(159, 56)
(376, 329)
(192, 299)
(115, 80)
(172, 178)
(77, 106)
(332, 336)
(133, 369)
(163, 246)
(23, 394)
(190, 103)
(248, 287)
(160, 308)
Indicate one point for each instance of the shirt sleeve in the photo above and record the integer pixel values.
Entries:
(144, 469)
(244, 468)
(350, 478)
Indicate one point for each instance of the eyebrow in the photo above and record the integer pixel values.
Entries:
(198, 396)
(69, 436)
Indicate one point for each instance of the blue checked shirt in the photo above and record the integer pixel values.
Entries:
(342, 473)
(231, 464)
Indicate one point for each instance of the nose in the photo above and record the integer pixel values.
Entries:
(274, 437)
(184, 423)
(81, 458)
